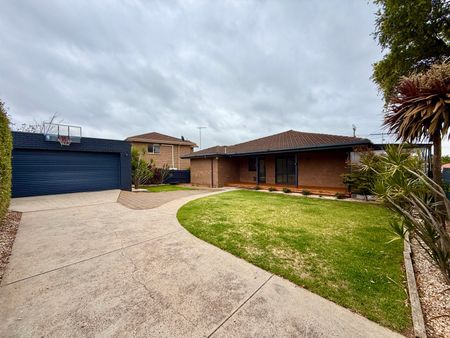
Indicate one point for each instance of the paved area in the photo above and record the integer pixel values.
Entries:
(106, 270)
(147, 200)
(52, 202)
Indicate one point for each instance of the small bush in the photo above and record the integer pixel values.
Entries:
(272, 189)
(306, 192)
(339, 195)
(286, 190)
(257, 187)
(5, 161)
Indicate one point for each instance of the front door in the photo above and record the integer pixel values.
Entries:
(261, 170)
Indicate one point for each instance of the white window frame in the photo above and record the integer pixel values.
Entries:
(153, 148)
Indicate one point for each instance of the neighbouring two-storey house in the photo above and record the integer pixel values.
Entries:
(163, 149)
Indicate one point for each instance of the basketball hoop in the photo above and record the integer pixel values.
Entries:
(64, 140)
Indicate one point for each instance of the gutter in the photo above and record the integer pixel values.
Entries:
(281, 151)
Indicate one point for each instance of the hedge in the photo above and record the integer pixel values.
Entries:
(5, 161)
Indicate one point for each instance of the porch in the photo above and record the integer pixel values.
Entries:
(319, 172)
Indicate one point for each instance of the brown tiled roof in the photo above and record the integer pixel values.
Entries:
(154, 137)
(288, 140)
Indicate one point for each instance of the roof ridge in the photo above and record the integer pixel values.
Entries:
(159, 136)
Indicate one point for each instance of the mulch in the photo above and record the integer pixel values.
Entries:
(8, 231)
(434, 294)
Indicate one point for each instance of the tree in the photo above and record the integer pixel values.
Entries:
(39, 127)
(445, 159)
(5, 161)
(415, 34)
(406, 190)
(140, 169)
(419, 109)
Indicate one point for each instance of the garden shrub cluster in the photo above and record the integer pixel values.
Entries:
(5, 161)
(339, 195)
(146, 173)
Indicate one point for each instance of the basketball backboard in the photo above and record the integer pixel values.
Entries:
(63, 133)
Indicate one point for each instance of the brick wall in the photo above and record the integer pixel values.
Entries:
(316, 169)
(228, 171)
(250, 176)
(322, 169)
(245, 175)
(201, 171)
(165, 156)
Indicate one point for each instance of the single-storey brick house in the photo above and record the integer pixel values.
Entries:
(163, 149)
(291, 159)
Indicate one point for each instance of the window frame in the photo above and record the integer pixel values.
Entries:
(251, 164)
(152, 147)
(288, 170)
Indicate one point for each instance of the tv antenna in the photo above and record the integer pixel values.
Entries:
(200, 136)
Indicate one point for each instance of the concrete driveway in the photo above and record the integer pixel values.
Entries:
(84, 265)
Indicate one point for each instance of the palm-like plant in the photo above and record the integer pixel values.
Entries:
(420, 110)
(419, 202)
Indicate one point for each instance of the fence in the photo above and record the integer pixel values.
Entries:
(178, 176)
(446, 178)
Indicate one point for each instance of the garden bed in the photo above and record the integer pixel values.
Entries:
(8, 231)
(434, 294)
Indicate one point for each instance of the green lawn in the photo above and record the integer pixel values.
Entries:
(165, 187)
(337, 249)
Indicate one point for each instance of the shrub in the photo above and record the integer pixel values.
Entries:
(141, 172)
(272, 189)
(5, 161)
(359, 179)
(306, 192)
(257, 187)
(420, 204)
(286, 190)
(339, 195)
(160, 175)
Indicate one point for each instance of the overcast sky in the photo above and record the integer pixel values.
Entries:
(243, 69)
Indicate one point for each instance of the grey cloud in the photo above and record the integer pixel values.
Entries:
(243, 69)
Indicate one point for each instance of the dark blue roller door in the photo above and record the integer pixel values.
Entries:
(44, 172)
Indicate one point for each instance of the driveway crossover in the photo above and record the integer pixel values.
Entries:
(97, 268)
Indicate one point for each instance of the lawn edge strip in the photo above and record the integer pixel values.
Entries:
(414, 300)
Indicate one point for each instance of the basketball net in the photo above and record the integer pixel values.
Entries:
(64, 140)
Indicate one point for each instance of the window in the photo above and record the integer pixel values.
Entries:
(252, 164)
(285, 171)
(154, 148)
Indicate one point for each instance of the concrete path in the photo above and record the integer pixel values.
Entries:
(105, 270)
(146, 200)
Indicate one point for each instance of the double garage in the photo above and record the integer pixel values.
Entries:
(40, 167)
